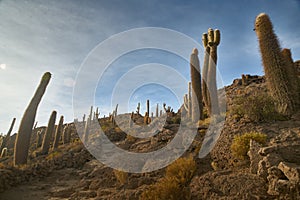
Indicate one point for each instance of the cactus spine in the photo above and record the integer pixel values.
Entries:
(274, 64)
(197, 107)
(7, 137)
(24, 133)
(48, 133)
(58, 132)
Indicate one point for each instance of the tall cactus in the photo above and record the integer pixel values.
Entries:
(66, 135)
(87, 132)
(58, 132)
(276, 75)
(48, 133)
(24, 133)
(213, 37)
(138, 108)
(148, 106)
(197, 107)
(294, 82)
(205, 92)
(7, 137)
(156, 111)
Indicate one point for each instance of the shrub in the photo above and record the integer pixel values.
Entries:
(166, 188)
(175, 183)
(54, 155)
(121, 176)
(183, 169)
(257, 107)
(241, 143)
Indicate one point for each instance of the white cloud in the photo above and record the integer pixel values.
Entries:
(69, 82)
(3, 66)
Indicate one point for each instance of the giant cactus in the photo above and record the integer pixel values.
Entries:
(48, 134)
(274, 64)
(205, 92)
(294, 82)
(197, 106)
(7, 137)
(24, 133)
(58, 132)
(213, 37)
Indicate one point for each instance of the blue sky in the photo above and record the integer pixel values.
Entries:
(56, 36)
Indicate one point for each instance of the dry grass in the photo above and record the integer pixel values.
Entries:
(241, 143)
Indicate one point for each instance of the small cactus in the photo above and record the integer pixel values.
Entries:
(86, 133)
(131, 120)
(146, 118)
(24, 133)
(48, 133)
(66, 135)
(91, 115)
(3, 152)
(244, 80)
(138, 108)
(58, 132)
(156, 111)
(7, 137)
(148, 106)
(39, 137)
(274, 64)
(197, 107)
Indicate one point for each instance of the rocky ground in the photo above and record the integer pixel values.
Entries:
(271, 171)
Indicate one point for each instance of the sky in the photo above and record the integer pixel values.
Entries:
(58, 36)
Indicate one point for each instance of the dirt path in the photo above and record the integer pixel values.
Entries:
(59, 183)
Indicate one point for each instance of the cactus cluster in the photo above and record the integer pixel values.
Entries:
(278, 68)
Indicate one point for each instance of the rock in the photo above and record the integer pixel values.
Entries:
(254, 156)
(291, 171)
(228, 184)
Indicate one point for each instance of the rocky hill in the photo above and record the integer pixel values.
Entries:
(270, 171)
